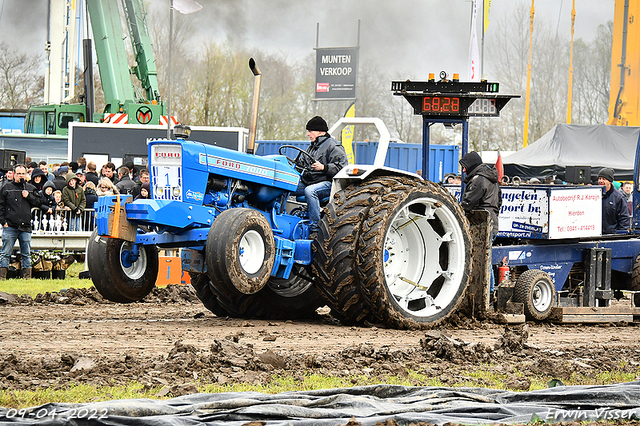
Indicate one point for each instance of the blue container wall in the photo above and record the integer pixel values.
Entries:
(443, 159)
(11, 124)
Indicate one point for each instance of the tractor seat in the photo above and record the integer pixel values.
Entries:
(323, 201)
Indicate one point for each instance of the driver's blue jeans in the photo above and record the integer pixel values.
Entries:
(314, 193)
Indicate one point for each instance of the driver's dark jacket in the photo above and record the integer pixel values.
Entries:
(483, 192)
(329, 153)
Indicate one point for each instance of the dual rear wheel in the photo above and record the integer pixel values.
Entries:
(405, 258)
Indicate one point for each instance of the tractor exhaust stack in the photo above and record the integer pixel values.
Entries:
(251, 148)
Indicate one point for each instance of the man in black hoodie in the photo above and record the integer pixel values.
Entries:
(16, 200)
(482, 192)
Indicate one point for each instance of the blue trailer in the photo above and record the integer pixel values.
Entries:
(443, 159)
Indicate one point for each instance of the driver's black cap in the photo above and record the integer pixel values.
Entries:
(318, 124)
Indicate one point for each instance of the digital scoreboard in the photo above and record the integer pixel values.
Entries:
(452, 99)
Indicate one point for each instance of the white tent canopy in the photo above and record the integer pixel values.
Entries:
(597, 145)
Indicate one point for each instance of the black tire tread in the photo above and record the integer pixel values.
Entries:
(202, 285)
(372, 239)
(266, 304)
(522, 293)
(635, 281)
(336, 249)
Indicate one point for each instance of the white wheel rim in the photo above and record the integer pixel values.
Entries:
(541, 295)
(137, 269)
(252, 252)
(424, 262)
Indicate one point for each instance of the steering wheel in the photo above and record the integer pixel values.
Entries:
(295, 162)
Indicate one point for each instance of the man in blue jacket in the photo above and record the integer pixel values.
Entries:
(615, 212)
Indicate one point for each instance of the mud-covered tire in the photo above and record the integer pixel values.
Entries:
(240, 250)
(414, 255)
(96, 253)
(293, 298)
(635, 281)
(112, 279)
(536, 291)
(336, 249)
(202, 285)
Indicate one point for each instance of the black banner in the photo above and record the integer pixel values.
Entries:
(336, 70)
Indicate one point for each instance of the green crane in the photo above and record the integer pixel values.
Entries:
(141, 104)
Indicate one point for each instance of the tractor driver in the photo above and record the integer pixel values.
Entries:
(330, 157)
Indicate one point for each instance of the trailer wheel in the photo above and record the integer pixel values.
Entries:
(535, 289)
(116, 278)
(635, 281)
(202, 284)
(415, 254)
(240, 250)
(336, 247)
(293, 298)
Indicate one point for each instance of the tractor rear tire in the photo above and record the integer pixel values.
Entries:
(202, 284)
(240, 250)
(293, 298)
(414, 255)
(115, 281)
(535, 289)
(635, 281)
(336, 247)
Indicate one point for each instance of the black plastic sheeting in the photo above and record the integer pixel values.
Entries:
(367, 404)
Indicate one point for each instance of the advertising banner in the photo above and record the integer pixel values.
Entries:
(524, 213)
(336, 70)
(575, 213)
(547, 212)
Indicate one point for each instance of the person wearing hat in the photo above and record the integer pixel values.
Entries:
(329, 158)
(60, 181)
(615, 213)
(482, 192)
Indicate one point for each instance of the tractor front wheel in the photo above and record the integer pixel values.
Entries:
(115, 274)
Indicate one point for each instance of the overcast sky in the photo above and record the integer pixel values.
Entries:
(410, 37)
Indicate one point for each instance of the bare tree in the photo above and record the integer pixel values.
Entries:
(21, 83)
(592, 77)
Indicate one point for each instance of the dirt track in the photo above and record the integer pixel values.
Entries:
(171, 339)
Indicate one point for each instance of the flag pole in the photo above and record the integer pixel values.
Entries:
(573, 21)
(169, 88)
(526, 102)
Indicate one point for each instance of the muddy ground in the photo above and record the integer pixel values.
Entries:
(171, 340)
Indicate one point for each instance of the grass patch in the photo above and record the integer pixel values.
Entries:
(75, 394)
(481, 377)
(34, 286)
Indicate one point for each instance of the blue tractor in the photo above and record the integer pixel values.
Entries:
(392, 248)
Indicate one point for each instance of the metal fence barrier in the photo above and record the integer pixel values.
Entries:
(62, 222)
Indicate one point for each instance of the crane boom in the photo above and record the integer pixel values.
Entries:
(145, 69)
(624, 96)
(121, 95)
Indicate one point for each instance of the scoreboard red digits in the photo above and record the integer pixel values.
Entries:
(441, 104)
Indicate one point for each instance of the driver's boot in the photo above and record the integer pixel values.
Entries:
(3, 273)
